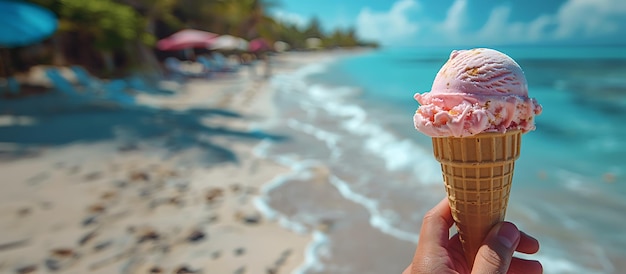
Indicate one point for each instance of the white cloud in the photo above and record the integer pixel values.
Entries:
(393, 26)
(537, 29)
(456, 18)
(575, 19)
(406, 23)
(590, 17)
(292, 18)
(498, 29)
(496, 23)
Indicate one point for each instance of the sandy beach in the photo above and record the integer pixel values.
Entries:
(167, 187)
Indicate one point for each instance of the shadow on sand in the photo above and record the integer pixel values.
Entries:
(58, 120)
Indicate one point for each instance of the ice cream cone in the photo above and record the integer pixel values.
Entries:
(477, 172)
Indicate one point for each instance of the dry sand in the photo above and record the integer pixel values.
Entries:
(140, 206)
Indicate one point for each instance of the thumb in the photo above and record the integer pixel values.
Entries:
(497, 251)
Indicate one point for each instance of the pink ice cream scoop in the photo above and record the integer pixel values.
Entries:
(476, 91)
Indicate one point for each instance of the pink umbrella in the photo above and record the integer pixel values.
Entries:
(185, 39)
(259, 44)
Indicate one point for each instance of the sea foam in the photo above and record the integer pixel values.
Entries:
(377, 219)
(312, 254)
(398, 153)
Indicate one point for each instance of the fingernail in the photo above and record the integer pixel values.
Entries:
(508, 235)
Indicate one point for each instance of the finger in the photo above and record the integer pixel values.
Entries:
(434, 236)
(523, 266)
(527, 244)
(436, 225)
(497, 251)
(456, 252)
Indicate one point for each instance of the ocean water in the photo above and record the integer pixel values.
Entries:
(362, 176)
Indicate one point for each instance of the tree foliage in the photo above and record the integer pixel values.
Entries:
(111, 25)
(313, 29)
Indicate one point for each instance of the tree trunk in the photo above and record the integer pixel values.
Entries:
(109, 63)
(145, 61)
(58, 57)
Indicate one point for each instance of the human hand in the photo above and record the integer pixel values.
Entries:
(438, 253)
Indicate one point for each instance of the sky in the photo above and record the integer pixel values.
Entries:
(467, 22)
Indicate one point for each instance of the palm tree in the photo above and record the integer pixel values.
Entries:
(153, 11)
(243, 18)
(106, 24)
(156, 10)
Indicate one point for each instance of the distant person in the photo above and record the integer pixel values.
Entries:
(248, 60)
(438, 253)
(268, 65)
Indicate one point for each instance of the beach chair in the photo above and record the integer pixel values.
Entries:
(172, 66)
(139, 84)
(208, 65)
(9, 87)
(222, 64)
(116, 90)
(82, 76)
(175, 67)
(72, 97)
(61, 84)
(112, 90)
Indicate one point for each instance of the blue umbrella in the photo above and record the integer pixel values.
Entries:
(23, 23)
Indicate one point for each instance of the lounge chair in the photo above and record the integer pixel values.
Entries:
(208, 65)
(112, 90)
(9, 87)
(83, 77)
(176, 68)
(71, 98)
(61, 84)
(115, 90)
(222, 64)
(139, 84)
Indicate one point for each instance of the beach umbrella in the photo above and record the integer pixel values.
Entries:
(281, 46)
(186, 39)
(23, 23)
(259, 45)
(229, 42)
(313, 43)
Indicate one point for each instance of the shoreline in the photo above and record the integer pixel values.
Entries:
(133, 204)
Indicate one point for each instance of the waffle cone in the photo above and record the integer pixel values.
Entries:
(477, 172)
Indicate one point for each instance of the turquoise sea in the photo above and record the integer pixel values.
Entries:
(362, 171)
